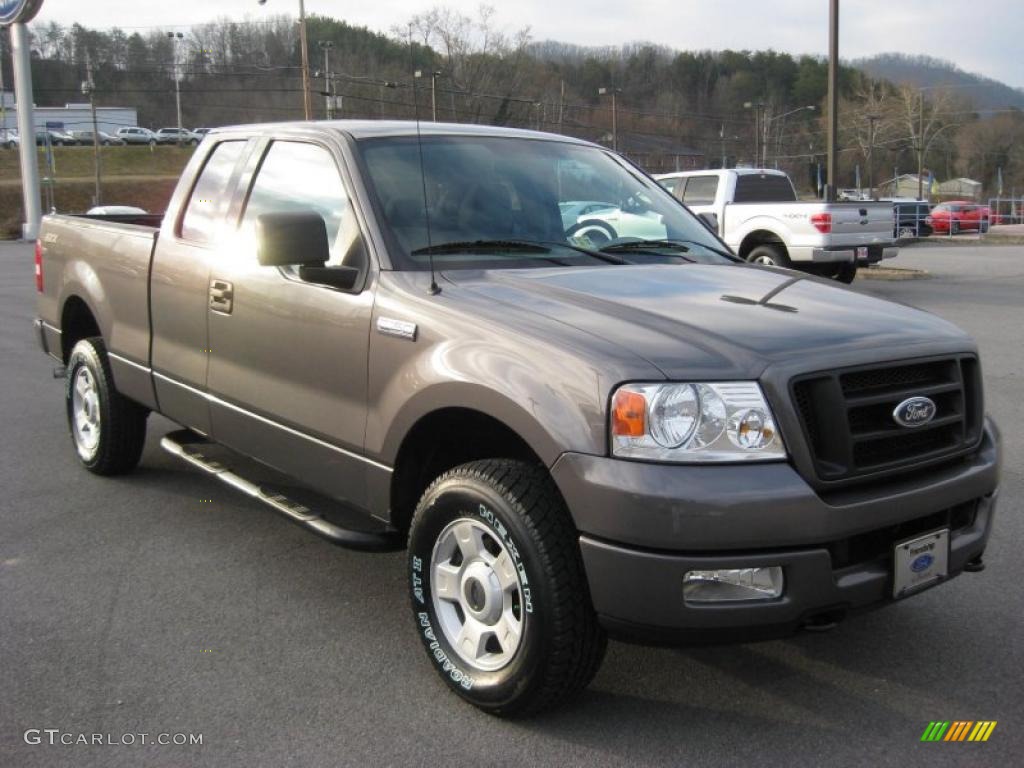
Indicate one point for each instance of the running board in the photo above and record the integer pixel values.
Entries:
(187, 445)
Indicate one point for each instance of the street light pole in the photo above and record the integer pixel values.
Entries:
(615, 114)
(833, 99)
(175, 38)
(757, 106)
(326, 46)
(307, 88)
(434, 74)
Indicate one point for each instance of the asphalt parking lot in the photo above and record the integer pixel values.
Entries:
(162, 602)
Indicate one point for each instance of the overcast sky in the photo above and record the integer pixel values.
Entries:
(987, 42)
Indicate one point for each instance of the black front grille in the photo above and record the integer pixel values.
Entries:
(847, 415)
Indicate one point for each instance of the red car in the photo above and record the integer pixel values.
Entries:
(959, 216)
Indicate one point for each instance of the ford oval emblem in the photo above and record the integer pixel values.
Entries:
(922, 563)
(18, 11)
(914, 412)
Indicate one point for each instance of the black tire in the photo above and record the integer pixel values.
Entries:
(517, 506)
(152, 142)
(121, 425)
(769, 255)
(954, 228)
(846, 273)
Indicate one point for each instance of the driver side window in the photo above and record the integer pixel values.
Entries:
(297, 176)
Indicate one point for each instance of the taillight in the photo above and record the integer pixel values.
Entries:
(822, 222)
(39, 266)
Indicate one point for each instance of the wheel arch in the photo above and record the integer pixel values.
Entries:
(77, 322)
(442, 440)
(760, 237)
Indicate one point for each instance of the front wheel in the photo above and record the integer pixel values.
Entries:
(107, 429)
(498, 590)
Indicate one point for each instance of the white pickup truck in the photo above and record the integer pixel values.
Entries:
(757, 213)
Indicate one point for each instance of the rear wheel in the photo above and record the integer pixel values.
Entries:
(846, 273)
(107, 429)
(906, 233)
(498, 591)
(769, 255)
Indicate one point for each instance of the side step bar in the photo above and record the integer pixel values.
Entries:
(187, 445)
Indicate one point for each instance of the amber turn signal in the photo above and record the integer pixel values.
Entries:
(628, 414)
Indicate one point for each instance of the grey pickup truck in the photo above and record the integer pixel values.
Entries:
(395, 338)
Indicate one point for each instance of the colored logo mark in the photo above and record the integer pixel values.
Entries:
(959, 730)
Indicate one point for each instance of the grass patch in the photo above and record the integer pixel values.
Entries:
(75, 196)
(77, 162)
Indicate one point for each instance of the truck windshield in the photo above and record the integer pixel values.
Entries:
(497, 202)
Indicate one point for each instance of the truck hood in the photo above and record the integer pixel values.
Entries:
(704, 321)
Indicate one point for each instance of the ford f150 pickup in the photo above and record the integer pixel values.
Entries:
(757, 212)
(572, 436)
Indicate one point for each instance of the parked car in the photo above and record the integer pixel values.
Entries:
(911, 219)
(757, 212)
(9, 139)
(85, 138)
(54, 138)
(958, 216)
(136, 135)
(652, 438)
(177, 136)
(201, 131)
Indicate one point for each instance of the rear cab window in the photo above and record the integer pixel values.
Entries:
(769, 188)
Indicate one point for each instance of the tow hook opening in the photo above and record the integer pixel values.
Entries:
(824, 621)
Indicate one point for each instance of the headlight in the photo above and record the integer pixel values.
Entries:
(728, 421)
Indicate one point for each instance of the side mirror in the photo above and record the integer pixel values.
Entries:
(710, 220)
(297, 238)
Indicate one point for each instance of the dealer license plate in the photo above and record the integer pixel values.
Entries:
(920, 563)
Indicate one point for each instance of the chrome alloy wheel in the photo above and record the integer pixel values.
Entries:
(85, 413)
(766, 260)
(477, 594)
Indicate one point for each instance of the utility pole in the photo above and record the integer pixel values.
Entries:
(872, 119)
(385, 84)
(176, 38)
(920, 148)
(326, 46)
(615, 113)
(561, 107)
(89, 89)
(3, 94)
(833, 99)
(307, 88)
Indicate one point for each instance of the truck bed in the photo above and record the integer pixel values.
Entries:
(115, 252)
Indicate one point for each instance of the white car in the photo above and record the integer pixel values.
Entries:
(136, 135)
(600, 223)
(9, 139)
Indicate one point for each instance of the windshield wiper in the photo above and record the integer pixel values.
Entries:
(520, 246)
(676, 245)
(469, 246)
